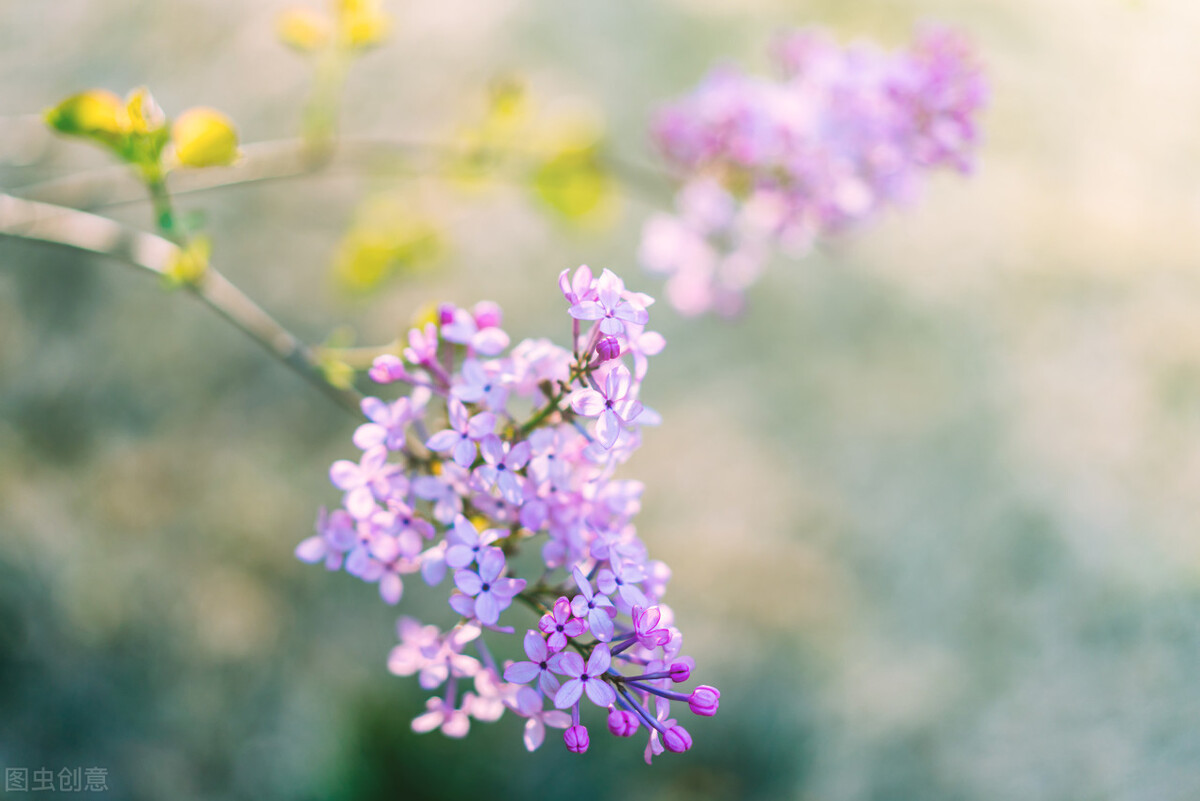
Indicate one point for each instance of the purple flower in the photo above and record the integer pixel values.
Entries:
(540, 666)
(579, 287)
(677, 739)
(623, 578)
(389, 421)
(463, 433)
(492, 593)
(453, 722)
(422, 345)
(387, 369)
(560, 625)
(479, 385)
(585, 679)
(596, 607)
(502, 463)
(645, 627)
(529, 704)
(481, 331)
(467, 545)
(609, 307)
(372, 478)
(614, 406)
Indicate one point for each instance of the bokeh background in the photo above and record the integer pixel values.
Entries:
(932, 504)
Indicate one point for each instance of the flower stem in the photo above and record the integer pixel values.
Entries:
(45, 222)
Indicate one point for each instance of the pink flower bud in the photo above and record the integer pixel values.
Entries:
(386, 369)
(608, 348)
(576, 738)
(677, 740)
(622, 723)
(446, 314)
(487, 314)
(705, 700)
(680, 672)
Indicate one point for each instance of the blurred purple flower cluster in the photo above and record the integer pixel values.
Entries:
(492, 453)
(772, 163)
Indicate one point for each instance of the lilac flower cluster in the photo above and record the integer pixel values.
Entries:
(772, 163)
(490, 453)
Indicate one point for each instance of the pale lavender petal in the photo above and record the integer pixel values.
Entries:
(459, 556)
(490, 341)
(608, 428)
(468, 581)
(491, 562)
(443, 440)
(599, 661)
(492, 449)
(628, 410)
(600, 693)
(312, 550)
(481, 425)
(611, 325)
(375, 410)
(521, 672)
(587, 402)
(587, 310)
(548, 683)
(631, 314)
(529, 702)
(457, 413)
(506, 588)
(582, 583)
(601, 625)
(535, 647)
(568, 694)
(534, 734)
(345, 475)
(391, 588)
(609, 288)
(557, 719)
(510, 487)
(463, 604)
(360, 503)
(428, 721)
(518, 457)
(369, 435)
(457, 725)
(568, 663)
(616, 383)
(464, 453)
(486, 608)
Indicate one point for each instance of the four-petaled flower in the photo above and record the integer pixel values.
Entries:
(609, 307)
(541, 665)
(594, 606)
(612, 406)
(463, 433)
(502, 463)
(585, 678)
(529, 704)
(559, 625)
(492, 593)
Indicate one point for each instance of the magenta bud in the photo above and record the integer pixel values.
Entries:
(705, 700)
(622, 723)
(446, 314)
(386, 369)
(576, 738)
(680, 672)
(487, 314)
(608, 348)
(677, 740)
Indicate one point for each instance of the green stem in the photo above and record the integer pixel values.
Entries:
(45, 222)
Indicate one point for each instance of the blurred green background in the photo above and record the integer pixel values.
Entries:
(932, 505)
